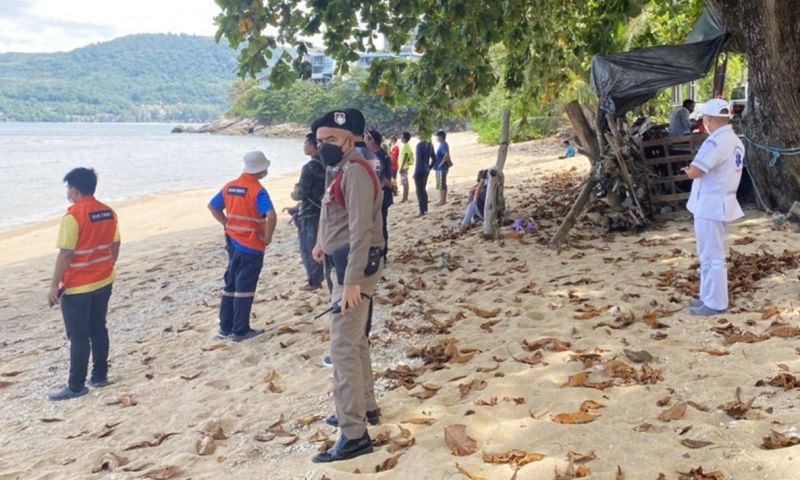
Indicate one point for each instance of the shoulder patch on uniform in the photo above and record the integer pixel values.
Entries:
(738, 154)
(101, 216)
(237, 191)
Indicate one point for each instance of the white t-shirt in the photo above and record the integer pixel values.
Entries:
(713, 195)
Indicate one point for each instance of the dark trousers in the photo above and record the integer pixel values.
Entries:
(85, 321)
(421, 182)
(241, 278)
(307, 230)
(387, 202)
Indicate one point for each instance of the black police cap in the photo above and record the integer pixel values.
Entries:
(349, 119)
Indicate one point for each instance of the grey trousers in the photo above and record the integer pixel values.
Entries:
(353, 384)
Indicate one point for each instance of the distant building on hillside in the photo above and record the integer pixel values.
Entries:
(321, 67)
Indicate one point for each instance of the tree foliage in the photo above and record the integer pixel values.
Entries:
(546, 45)
(303, 101)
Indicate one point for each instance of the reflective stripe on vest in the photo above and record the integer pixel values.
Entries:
(90, 262)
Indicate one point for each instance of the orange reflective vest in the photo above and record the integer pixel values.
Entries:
(245, 223)
(92, 260)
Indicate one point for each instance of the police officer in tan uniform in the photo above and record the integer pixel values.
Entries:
(351, 240)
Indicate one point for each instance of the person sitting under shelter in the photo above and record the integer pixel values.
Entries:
(680, 123)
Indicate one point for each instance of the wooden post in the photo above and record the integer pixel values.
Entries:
(583, 129)
(574, 212)
(494, 183)
(594, 143)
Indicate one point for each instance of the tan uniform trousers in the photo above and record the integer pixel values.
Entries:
(353, 384)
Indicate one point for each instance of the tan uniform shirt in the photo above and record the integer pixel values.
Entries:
(359, 225)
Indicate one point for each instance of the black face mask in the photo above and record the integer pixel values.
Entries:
(330, 154)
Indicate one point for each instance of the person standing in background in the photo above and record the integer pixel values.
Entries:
(374, 139)
(309, 191)
(715, 172)
(88, 243)
(406, 160)
(394, 154)
(442, 166)
(244, 209)
(425, 159)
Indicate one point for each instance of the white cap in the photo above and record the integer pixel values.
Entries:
(255, 162)
(715, 107)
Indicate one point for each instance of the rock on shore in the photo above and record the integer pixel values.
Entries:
(246, 126)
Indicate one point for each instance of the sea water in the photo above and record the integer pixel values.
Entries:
(131, 160)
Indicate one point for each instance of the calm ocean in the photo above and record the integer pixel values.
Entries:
(131, 160)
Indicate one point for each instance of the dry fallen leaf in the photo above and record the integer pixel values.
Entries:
(158, 439)
(782, 380)
(125, 401)
(389, 463)
(638, 357)
(211, 348)
(575, 418)
(109, 462)
(576, 457)
(465, 388)
(205, 446)
(459, 442)
(470, 475)
(577, 380)
(688, 443)
(483, 313)
(420, 421)
(737, 409)
(699, 474)
(589, 405)
(714, 352)
(675, 413)
(306, 421)
(163, 473)
(516, 458)
(779, 440)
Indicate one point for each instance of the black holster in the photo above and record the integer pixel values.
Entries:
(339, 262)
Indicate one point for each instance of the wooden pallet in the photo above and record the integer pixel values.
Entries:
(666, 157)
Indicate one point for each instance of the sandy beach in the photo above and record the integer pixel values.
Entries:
(502, 337)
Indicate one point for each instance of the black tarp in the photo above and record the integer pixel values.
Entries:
(626, 80)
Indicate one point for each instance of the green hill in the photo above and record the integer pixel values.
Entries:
(147, 77)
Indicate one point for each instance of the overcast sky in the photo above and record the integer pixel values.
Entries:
(60, 25)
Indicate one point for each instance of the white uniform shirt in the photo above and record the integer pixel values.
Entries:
(713, 195)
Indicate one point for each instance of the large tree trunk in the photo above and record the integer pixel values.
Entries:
(768, 32)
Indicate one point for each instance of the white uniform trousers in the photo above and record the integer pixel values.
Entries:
(710, 236)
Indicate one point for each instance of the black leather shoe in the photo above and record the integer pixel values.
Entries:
(345, 449)
(373, 418)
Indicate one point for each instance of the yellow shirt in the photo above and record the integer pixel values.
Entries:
(67, 240)
(406, 157)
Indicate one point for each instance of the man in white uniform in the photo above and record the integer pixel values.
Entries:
(716, 171)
